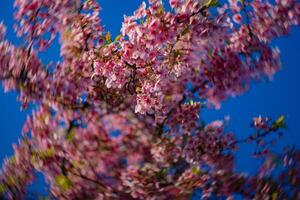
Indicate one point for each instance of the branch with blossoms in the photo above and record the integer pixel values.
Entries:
(121, 118)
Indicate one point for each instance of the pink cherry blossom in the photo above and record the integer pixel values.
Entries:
(121, 118)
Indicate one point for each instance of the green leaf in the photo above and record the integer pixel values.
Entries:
(210, 52)
(11, 181)
(185, 30)
(107, 38)
(195, 170)
(78, 164)
(21, 85)
(70, 135)
(161, 10)
(12, 160)
(33, 159)
(2, 188)
(117, 38)
(48, 153)
(176, 53)
(274, 195)
(212, 3)
(196, 71)
(40, 197)
(161, 174)
(279, 122)
(63, 182)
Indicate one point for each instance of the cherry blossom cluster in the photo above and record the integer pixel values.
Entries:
(120, 117)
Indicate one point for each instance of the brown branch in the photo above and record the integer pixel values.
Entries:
(184, 98)
(255, 137)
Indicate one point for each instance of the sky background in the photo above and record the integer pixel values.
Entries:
(268, 98)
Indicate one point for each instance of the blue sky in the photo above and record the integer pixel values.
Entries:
(280, 96)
